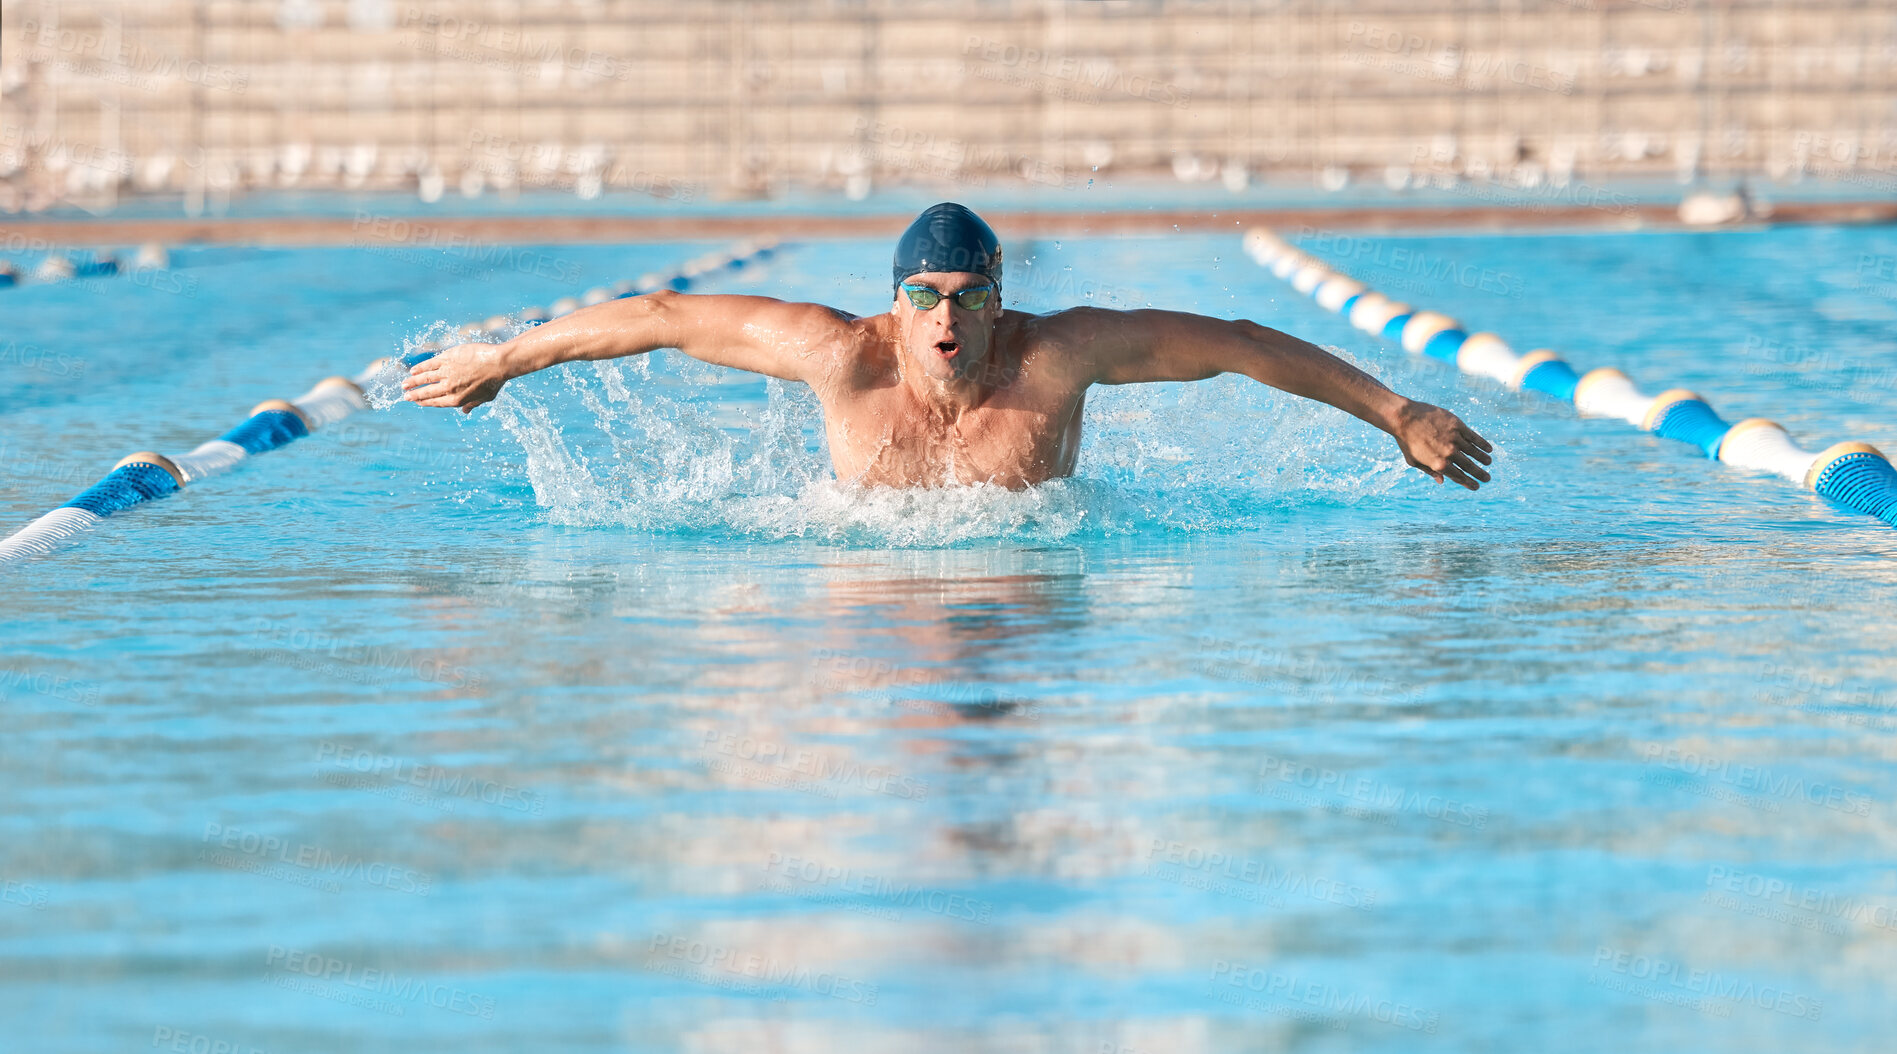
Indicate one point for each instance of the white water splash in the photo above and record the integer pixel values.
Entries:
(384, 387)
(622, 443)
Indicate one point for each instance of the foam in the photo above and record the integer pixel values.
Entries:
(637, 444)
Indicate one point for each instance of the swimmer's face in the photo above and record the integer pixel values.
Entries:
(948, 341)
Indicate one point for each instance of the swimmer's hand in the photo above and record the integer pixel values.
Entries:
(464, 377)
(1436, 441)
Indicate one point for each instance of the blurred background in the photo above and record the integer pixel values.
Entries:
(201, 100)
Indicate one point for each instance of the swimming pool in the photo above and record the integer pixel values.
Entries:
(601, 721)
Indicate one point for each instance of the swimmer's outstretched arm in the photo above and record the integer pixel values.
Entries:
(796, 342)
(1129, 347)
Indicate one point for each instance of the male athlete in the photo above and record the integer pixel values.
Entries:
(947, 386)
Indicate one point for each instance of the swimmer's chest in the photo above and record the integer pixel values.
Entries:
(1017, 436)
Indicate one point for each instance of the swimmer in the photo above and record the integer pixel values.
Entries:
(949, 387)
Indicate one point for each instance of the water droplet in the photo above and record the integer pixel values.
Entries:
(1056, 245)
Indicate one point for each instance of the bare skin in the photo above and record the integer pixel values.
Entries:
(949, 395)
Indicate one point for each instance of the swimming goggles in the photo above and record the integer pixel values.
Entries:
(925, 299)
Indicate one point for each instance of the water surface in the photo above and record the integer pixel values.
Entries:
(604, 720)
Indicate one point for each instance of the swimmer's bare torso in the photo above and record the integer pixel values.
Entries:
(952, 395)
(1021, 428)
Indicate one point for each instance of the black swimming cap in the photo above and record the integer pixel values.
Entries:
(948, 237)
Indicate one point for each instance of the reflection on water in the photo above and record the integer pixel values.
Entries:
(795, 796)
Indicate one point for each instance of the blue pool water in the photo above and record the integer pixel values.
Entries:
(601, 720)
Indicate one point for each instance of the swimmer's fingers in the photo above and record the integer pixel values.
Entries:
(424, 373)
(1474, 445)
(438, 391)
(434, 398)
(1468, 467)
(462, 377)
(464, 399)
(425, 391)
(1424, 469)
(1456, 467)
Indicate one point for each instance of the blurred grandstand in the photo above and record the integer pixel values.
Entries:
(203, 99)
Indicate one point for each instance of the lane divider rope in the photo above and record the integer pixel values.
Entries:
(1855, 475)
(148, 476)
(59, 267)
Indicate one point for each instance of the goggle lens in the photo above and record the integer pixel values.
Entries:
(925, 298)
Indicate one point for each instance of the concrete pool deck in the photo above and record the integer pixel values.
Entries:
(363, 229)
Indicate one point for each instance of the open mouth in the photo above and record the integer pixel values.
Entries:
(947, 348)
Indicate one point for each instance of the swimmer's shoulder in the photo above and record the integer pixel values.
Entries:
(812, 327)
(857, 351)
(1067, 324)
(1060, 342)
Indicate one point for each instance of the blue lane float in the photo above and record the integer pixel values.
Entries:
(1444, 345)
(270, 425)
(1855, 475)
(98, 267)
(1683, 415)
(144, 476)
(1550, 376)
(148, 476)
